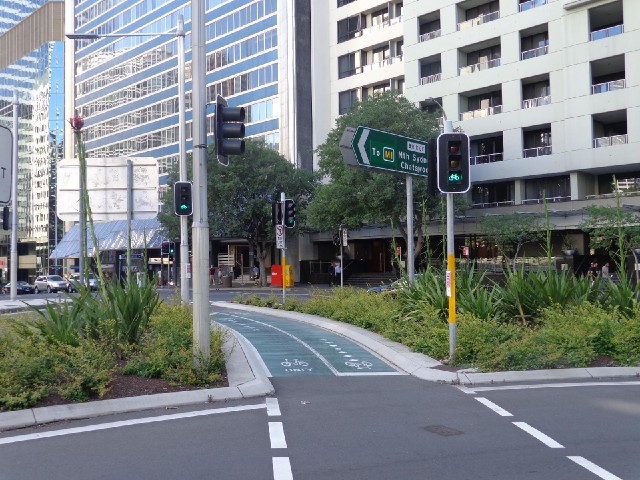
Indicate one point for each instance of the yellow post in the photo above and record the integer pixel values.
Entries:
(451, 267)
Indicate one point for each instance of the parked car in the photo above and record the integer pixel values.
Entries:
(50, 283)
(21, 287)
(74, 282)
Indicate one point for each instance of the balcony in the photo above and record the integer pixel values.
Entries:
(429, 36)
(609, 141)
(536, 52)
(480, 113)
(536, 151)
(524, 6)
(490, 158)
(380, 64)
(607, 32)
(376, 28)
(536, 102)
(480, 66)
(479, 20)
(430, 79)
(608, 86)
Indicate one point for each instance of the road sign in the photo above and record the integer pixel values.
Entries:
(388, 151)
(6, 156)
(345, 237)
(280, 236)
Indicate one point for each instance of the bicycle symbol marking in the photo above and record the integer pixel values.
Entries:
(359, 365)
(295, 365)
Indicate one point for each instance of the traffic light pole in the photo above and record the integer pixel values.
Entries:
(283, 199)
(200, 229)
(451, 266)
(182, 166)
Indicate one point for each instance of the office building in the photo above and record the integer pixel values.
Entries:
(31, 65)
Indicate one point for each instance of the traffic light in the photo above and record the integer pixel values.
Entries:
(172, 248)
(229, 131)
(5, 218)
(164, 249)
(453, 163)
(182, 199)
(289, 213)
(276, 213)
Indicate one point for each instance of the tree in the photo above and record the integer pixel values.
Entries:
(614, 229)
(240, 195)
(511, 232)
(359, 196)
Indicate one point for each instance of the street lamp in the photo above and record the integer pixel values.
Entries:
(184, 246)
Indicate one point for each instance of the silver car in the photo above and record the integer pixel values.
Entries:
(74, 282)
(50, 283)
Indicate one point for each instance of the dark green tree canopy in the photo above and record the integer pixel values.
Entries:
(357, 196)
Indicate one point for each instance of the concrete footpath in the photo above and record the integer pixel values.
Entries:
(247, 378)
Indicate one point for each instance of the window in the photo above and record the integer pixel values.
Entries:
(347, 65)
(346, 100)
(348, 27)
(342, 3)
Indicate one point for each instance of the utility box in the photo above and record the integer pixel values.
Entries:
(276, 275)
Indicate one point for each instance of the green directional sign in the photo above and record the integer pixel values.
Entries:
(388, 151)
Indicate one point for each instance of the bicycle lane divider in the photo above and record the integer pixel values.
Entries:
(338, 354)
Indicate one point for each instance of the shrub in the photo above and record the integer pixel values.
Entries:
(166, 350)
(477, 339)
(626, 340)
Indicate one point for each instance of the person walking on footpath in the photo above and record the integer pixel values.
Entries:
(212, 275)
(605, 273)
(219, 275)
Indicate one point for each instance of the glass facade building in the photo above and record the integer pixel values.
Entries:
(31, 72)
(126, 87)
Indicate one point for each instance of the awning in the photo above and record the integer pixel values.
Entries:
(112, 236)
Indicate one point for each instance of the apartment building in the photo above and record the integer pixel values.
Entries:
(547, 91)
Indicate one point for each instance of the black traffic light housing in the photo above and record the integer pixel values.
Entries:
(164, 249)
(289, 213)
(453, 163)
(229, 132)
(276, 213)
(182, 198)
(5, 219)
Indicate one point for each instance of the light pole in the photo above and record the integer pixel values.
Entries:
(184, 247)
(451, 261)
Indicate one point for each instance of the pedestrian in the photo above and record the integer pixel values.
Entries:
(604, 273)
(212, 275)
(593, 272)
(219, 275)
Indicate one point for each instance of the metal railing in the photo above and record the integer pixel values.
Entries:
(480, 113)
(608, 86)
(429, 36)
(563, 198)
(379, 26)
(476, 67)
(536, 151)
(524, 6)
(430, 79)
(479, 20)
(607, 32)
(610, 141)
(506, 203)
(534, 52)
(380, 64)
(489, 158)
(536, 102)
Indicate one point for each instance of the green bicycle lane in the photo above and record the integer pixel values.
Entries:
(289, 348)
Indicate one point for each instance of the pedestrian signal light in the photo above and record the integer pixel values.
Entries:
(5, 218)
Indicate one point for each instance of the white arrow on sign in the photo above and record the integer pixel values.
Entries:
(363, 151)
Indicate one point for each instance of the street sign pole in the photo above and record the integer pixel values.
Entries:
(410, 264)
(13, 275)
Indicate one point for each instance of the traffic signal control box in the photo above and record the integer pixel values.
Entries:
(182, 198)
(6, 219)
(229, 130)
(453, 163)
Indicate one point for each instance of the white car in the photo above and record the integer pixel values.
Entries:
(50, 283)
(74, 282)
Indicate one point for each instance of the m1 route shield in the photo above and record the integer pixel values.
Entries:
(391, 152)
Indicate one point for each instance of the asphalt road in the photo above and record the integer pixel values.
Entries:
(363, 427)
